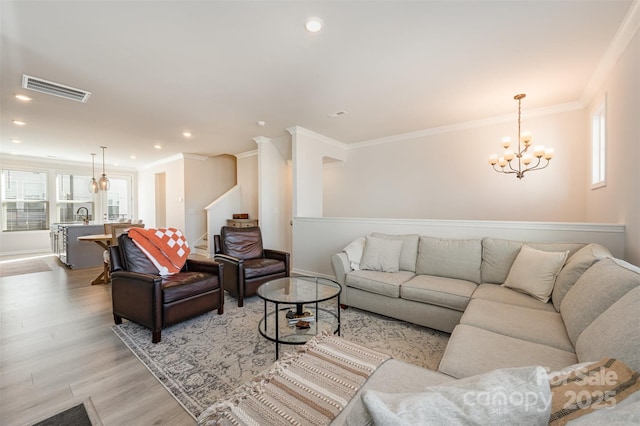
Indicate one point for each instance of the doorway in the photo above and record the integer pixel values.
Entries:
(161, 200)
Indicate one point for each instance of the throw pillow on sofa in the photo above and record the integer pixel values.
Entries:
(381, 254)
(354, 252)
(534, 272)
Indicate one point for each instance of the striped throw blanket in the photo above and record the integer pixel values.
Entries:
(311, 386)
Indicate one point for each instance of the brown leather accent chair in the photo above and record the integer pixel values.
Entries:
(140, 295)
(246, 263)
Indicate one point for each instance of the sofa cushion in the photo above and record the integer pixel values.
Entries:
(134, 259)
(384, 283)
(498, 256)
(409, 252)
(472, 350)
(615, 333)
(594, 292)
(381, 254)
(450, 258)
(534, 272)
(532, 325)
(262, 266)
(574, 268)
(446, 292)
(502, 294)
(183, 285)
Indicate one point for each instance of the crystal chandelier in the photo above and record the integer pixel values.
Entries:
(524, 158)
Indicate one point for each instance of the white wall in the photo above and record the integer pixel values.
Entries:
(206, 179)
(192, 182)
(446, 175)
(274, 194)
(619, 200)
(309, 150)
(247, 177)
(316, 239)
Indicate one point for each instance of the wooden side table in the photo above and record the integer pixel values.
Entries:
(242, 223)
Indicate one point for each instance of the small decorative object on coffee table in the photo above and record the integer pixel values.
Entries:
(289, 321)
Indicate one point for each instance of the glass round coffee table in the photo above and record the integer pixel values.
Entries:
(288, 320)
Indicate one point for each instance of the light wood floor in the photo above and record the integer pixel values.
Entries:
(57, 350)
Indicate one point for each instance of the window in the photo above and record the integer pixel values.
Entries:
(24, 201)
(72, 195)
(598, 146)
(118, 199)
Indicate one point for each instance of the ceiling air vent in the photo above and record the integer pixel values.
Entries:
(55, 89)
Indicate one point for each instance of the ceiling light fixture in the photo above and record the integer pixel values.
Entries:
(23, 98)
(103, 183)
(186, 134)
(524, 158)
(16, 140)
(93, 183)
(157, 146)
(19, 122)
(313, 24)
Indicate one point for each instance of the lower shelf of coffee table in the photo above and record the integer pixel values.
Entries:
(326, 319)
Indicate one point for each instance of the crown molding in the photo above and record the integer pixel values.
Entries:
(506, 118)
(297, 130)
(626, 32)
(246, 154)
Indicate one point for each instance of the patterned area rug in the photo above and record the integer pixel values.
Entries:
(205, 359)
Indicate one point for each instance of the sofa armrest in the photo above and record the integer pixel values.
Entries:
(341, 267)
(230, 260)
(137, 297)
(278, 255)
(207, 266)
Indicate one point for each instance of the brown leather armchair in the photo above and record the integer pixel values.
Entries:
(140, 295)
(246, 263)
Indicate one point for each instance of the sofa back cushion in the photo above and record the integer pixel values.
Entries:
(498, 256)
(133, 258)
(595, 291)
(450, 258)
(409, 252)
(615, 333)
(574, 268)
(242, 243)
(381, 254)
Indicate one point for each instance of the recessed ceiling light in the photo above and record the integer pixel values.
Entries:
(23, 98)
(133, 157)
(337, 113)
(313, 24)
(186, 134)
(261, 123)
(16, 141)
(19, 122)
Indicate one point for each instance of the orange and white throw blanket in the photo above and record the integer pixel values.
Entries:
(167, 248)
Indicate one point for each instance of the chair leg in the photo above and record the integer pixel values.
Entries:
(220, 310)
(117, 319)
(240, 302)
(156, 336)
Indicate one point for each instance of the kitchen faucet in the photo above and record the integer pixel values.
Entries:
(86, 216)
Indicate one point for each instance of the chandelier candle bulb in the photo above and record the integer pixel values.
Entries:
(538, 151)
(508, 155)
(526, 138)
(502, 162)
(548, 154)
(493, 159)
(506, 142)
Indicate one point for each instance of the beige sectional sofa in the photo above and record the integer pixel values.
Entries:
(458, 286)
